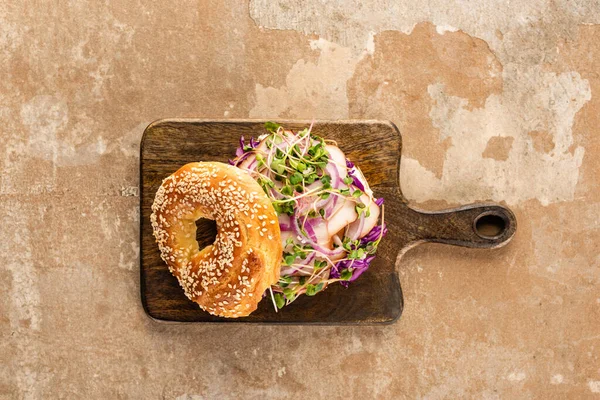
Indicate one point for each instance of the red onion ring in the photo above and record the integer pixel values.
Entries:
(284, 223)
(291, 270)
(330, 253)
(332, 169)
(309, 229)
(330, 207)
(252, 164)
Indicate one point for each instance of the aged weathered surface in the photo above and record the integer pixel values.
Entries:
(496, 101)
(375, 146)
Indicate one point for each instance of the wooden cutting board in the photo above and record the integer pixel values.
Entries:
(375, 146)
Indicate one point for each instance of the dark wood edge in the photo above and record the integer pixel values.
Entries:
(147, 311)
(278, 120)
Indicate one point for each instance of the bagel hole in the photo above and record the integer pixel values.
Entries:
(206, 232)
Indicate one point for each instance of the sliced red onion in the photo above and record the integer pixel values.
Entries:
(331, 206)
(296, 229)
(303, 205)
(332, 170)
(309, 229)
(322, 203)
(307, 203)
(285, 228)
(308, 259)
(328, 252)
(285, 223)
(252, 164)
(291, 270)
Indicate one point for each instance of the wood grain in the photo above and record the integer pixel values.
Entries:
(375, 146)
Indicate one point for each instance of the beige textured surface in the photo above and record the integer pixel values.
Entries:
(496, 101)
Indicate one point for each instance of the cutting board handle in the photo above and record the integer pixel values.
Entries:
(475, 225)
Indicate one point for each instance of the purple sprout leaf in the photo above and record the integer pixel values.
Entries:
(360, 266)
(357, 182)
(356, 267)
(334, 272)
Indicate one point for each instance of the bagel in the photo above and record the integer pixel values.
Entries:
(229, 277)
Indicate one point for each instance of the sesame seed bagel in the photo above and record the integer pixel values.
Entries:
(229, 277)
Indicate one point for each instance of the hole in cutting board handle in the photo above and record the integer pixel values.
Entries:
(490, 225)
